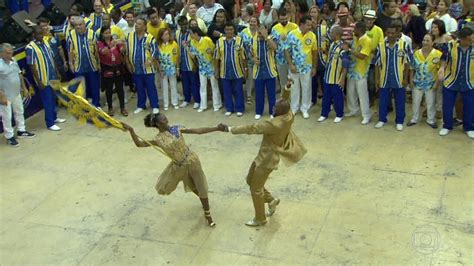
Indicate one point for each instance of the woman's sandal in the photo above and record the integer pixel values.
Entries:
(207, 215)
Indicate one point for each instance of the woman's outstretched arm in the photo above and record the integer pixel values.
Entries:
(202, 130)
(136, 139)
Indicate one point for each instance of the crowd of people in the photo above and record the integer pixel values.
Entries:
(245, 52)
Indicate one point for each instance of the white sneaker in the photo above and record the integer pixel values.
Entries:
(321, 118)
(365, 121)
(444, 132)
(200, 110)
(138, 110)
(399, 127)
(271, 116)
(166, 108)
(470, 134)
(337, 119)
(228, 114)
(59, 120)
(239, 114)
(217, 108)
(176, 107)
(305, 115)
(184, 104)
(379, 124)
(257, 117)
(156, 111)
(54, 128)
(196, 105)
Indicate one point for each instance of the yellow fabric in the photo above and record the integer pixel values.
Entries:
(308, 43)
(376, 33)
(117, 33)
(452, 71)
(108, 9)
(201, 24)
(40, 62)
(150, 46)
(189, 59)
(270, 59)
(402, 60)
(235, 57)
(284, 30)
(154, 30)
(360, 67)
(74, 50)
(278, 140)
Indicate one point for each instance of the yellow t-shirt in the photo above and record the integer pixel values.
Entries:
(154, 30)
(359, 68)
(376, 34)
(168, 57)
(204, 51)
(301, 49)
(117, 33)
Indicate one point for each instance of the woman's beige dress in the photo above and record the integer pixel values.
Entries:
(185, 166)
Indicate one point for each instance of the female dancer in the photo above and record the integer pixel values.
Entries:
(185, 165)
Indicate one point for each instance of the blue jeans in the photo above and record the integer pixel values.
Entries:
(260, 86)
(385, 99)
(49, 104)
(233, 90)
(190, 82)
(449, 99)
(145, 86)
(332, 93)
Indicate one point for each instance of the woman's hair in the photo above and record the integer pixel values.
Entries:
(250, 9)
(217, 12)
(414, 10)
(271, 2)
(102, 30)
(431, 36)
(152, 120)
(254, 17)
(160, 35)
(441, 26)
(313, 7)
(197, 30)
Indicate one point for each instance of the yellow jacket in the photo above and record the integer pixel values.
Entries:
(278, 140)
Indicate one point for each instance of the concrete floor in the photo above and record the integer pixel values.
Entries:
(361, 195)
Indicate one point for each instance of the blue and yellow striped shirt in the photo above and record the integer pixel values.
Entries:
(459, 73)
(96, 21)
(322, 36)
(40, 55)
(83, 49)
(247, 39)
(231, 55)
(266, 69)
(393, 59)
(141, 52)
(338, 59)
(186, 61)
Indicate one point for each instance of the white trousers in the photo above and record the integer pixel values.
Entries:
(15, 108)
(357, 90)
(283, 75)
(216, 95)
(250, 82)
(169, 83)
(301, 92)
(430, 96)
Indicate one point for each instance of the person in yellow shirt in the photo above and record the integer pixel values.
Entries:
(168, 58)
(376, 34)
(279, 34)
(301, 53)
(424, 81)
(360, 52)
(107, 7)
(155, 24)
(117, 33)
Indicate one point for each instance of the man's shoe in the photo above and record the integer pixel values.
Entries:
(433, 126)
(217, 108)
(59, 120)
(456, 122)
(54, 128)
(184, 104)
(399, 127)
(228, 113)
(337, 119)
(350, 114)
(239, 114)
(196, 105)
(272, 207)
(257, 117)
(379, 124)
(25, 135)
(444, 132)
(138, 110)
(155, 111)
(12, 142)
(365, 121)
(200, 110)
(305, 115)
(409, 124)
(255, 223)
(470, 134)
(321, 118)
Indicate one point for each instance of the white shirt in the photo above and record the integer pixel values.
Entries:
(449, 22)
(207, 14)
(10, 78)
(128, 29)
(408, 40)
(277, 4)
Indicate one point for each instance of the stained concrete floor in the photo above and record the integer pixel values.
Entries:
(361, 195)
